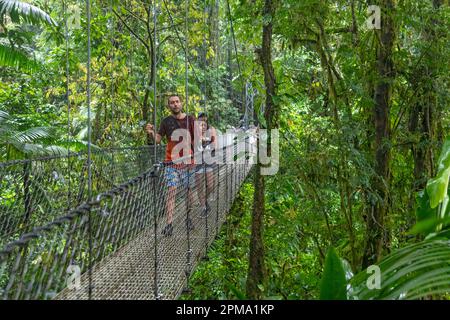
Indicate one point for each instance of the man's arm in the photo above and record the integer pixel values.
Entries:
(150, 130)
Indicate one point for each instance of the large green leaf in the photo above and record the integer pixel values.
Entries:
(10, 57)
(437, 187)
(25, 143)
(239, 294)
(18, 10)
(3, 116)
(32, 134)
(334, 284)
(424, 210)
(413, 272)
(19, 150)
(428, 226)
(56, 151)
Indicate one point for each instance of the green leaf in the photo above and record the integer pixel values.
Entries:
(32, 134)
(424, 210)
(18, 9)
(333, 285)
(442, 235)
(3, 116)
(412, 272)
(429, 225)
(437, 187)
(239, 294)
(10, 57)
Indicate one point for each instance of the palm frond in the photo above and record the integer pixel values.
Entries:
(56, 151)
(17, 10)
(3, 115)
(76, 145)
(19, 150)
(413, 272)
(31, 149)
(10, 57)
(32, 134)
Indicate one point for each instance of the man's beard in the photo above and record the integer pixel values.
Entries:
(177, 112)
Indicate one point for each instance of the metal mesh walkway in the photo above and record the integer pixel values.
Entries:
(116, 242)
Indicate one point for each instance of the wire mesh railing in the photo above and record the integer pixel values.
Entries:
(120, 245)
(33, 192)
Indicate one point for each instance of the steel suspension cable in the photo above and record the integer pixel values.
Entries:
(155, 69)
(233, 36)
(205, 182)
(69, 167)
(153, 175)
(183, 45)
(188, 168)
(218, 82)
(112, 92)
(88, 95)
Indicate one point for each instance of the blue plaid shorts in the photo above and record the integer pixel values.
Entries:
(178, 177)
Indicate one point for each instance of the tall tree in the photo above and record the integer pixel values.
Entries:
(140, 17)
(256, 271)
(378, 210)
(422, 120)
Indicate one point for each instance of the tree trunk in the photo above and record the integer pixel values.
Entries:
(422, 120)
(378, 209)
(257, 271)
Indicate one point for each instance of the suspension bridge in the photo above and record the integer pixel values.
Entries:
(89, 225)
(113, 242)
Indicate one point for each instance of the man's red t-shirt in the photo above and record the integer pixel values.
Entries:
(166, 129)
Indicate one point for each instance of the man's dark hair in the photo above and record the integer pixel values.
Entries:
(174, 95)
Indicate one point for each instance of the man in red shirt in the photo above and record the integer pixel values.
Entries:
(178, 161)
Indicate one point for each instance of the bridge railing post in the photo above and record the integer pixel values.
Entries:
(153, 177)
(188, 225)
(218, 168)
(206, 206)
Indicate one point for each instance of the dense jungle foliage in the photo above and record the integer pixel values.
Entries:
(363, 115)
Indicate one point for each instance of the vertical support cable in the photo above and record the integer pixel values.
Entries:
(155, 61)
(27, 196)
(153, 174)
(218, 43)
(69, 167)
(112, 84)
(217, 198)
(236, 167)
(188, 167)
(245, 105)
(226, 175)
(186, 59)
(155, 235)
(88, 90)
(218, 82)
(233, 36)
(112, 92)
(233, 165)
(205, 182)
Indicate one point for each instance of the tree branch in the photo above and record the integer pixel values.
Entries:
(131, 13)
(132, 31)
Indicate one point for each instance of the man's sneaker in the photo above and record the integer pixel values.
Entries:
(167, 231)
(190, 224)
